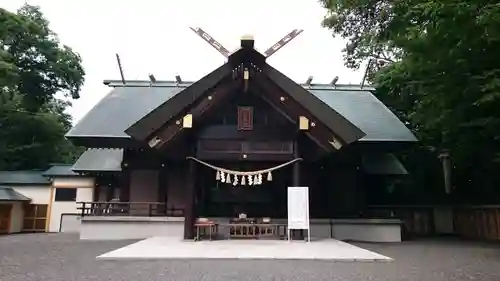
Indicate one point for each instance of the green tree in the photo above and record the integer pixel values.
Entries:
(34, 66)
(440, 71)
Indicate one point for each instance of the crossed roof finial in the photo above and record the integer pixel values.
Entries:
(225, 52)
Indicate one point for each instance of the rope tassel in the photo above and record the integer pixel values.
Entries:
(252, 177)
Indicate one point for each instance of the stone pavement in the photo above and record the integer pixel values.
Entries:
(62, 257)
(173, 248)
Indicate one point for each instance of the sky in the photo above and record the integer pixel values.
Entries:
(153, 36)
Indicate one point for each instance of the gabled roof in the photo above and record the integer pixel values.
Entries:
(249, 58)
(382, 164)
(99, 160)
(60, 170)
(154, 119)
(124, 106)
(23, 178)
(121, 108)
(8, 194)
(338, 124)
(367, 112)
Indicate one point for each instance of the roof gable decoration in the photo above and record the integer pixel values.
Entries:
(247, 41)
(239, 64)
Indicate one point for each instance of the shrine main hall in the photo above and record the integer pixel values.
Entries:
(167, 155)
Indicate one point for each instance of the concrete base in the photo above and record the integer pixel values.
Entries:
(169, 248)
(122, 228)
(367, 230)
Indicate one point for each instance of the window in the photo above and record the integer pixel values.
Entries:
(35, 217)
(65, 194)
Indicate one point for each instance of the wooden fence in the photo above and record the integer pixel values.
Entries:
(473, 222)
(477, 222)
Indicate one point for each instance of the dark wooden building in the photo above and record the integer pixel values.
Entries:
(171, 141)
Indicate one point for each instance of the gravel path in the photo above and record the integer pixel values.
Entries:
(62, 257)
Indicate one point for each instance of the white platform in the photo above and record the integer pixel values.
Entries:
(172, 248)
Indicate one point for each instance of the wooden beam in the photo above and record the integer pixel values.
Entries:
(280, 111)
(289, 107)
(154, 120)
(231, 157)
(206, 102)
(344, 130)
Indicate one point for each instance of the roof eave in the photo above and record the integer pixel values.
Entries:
(143, 128)
(345, 129)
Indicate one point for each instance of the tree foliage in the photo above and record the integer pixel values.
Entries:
(437, 65)
(34, 67)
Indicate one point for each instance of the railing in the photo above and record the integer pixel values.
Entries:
(473, 222)
(141, 209)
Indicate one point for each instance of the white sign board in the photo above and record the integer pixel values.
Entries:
(298, 208)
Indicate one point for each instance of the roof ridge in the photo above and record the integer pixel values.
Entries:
(184, 84)
(21, 171)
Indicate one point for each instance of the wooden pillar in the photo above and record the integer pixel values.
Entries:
(125, 177)
(162, 190)
(110, 192)
(95, 194)
(296, 168)
(296, 182)
(189, 201)
(125, 185)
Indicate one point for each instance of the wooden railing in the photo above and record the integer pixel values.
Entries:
(473, 222)
(141, 209)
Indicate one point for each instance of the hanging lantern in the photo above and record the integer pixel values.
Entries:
(260, 178)
(235, 182)
(250, 181)
(217, 176)
(269, 176)
(222, 177)
(256, 179)
(243, 180)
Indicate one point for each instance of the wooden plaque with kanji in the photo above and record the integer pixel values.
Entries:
(245, 118)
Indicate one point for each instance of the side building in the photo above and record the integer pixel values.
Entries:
(38, 201)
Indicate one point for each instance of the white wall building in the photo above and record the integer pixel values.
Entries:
(37, 201)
